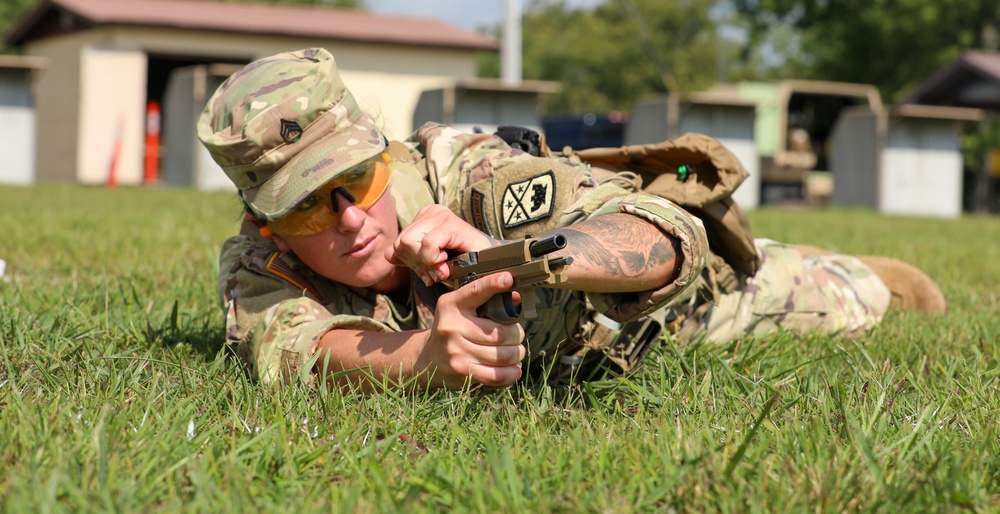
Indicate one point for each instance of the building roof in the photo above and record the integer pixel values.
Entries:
(26, 62)
(52, 17)
(972, 80)
(937, 112)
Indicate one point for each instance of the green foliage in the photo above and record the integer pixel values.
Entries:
(608, 57)
(12, 12)
(894, 44)
(114, 395)
(978, 144)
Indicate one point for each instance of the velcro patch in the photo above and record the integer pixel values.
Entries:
(528, 200)
(478, 210)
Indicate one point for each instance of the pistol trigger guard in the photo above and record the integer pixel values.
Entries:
(500, 308)
(512, 311)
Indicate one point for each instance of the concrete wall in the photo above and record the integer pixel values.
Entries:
(17, 127)
(57, 106)
(112, 116)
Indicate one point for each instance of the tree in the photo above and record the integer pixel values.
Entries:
(11, 12)
(609, 56)
(894, 44)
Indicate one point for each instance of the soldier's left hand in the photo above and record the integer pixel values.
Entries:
(423, 246)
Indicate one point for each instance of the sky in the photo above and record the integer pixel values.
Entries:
(468, 14)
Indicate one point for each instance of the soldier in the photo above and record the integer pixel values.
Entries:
(338, 266)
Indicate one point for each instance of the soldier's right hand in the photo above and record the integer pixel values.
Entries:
(463, 347)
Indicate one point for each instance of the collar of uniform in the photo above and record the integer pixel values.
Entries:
(410, 190)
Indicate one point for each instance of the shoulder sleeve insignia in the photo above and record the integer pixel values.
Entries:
(477, 208)
(277, 267)
(528, 200)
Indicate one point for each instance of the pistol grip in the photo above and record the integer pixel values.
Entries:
(500, 308)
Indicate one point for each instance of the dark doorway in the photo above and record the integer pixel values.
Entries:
(158, 71)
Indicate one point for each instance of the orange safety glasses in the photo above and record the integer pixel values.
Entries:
(363, 185)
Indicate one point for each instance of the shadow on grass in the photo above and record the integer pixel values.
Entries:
(597, 382)
(200, 331)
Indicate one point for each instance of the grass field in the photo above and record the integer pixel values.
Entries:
(114, 396)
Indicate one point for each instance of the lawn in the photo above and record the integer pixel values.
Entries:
(115, 396)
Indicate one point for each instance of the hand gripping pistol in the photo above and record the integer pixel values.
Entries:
(529, 262)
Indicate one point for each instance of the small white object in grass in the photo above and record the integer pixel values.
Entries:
(190, 433)
(3, 266)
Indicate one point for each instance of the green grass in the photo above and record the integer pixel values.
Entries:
(114, 396)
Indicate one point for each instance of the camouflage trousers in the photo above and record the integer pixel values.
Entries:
(835, 294)
(830, 293)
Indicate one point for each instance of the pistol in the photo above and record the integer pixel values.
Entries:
(527, 260)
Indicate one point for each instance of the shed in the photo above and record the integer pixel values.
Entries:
(724, 117)
(109, 58)
(972, 81)
(906, 160)
(484, 104)
(17, 118)
(793, 124)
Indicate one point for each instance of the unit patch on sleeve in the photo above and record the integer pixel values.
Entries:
(478, 208)
(528, 200)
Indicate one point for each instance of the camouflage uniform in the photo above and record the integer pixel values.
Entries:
(277, 309)
(836, 294)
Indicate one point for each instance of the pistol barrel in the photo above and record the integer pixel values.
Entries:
(548, 245)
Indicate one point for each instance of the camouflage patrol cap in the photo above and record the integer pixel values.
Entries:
(285, 125)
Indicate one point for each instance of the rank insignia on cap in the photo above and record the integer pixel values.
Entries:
(290, 131)
(528, 200)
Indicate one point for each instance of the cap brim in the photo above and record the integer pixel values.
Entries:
(311, 169)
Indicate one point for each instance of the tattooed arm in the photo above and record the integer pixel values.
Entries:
(619, 253)
(611, 253)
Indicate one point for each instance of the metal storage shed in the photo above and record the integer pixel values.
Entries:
(726, 118)
(17, 119)
(972, 81)
(484, 104)
(906, 160)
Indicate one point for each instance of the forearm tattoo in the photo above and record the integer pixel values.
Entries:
(623, 248)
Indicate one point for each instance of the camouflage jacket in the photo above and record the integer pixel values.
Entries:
(277, 309)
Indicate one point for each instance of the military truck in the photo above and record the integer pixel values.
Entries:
(791, 123)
